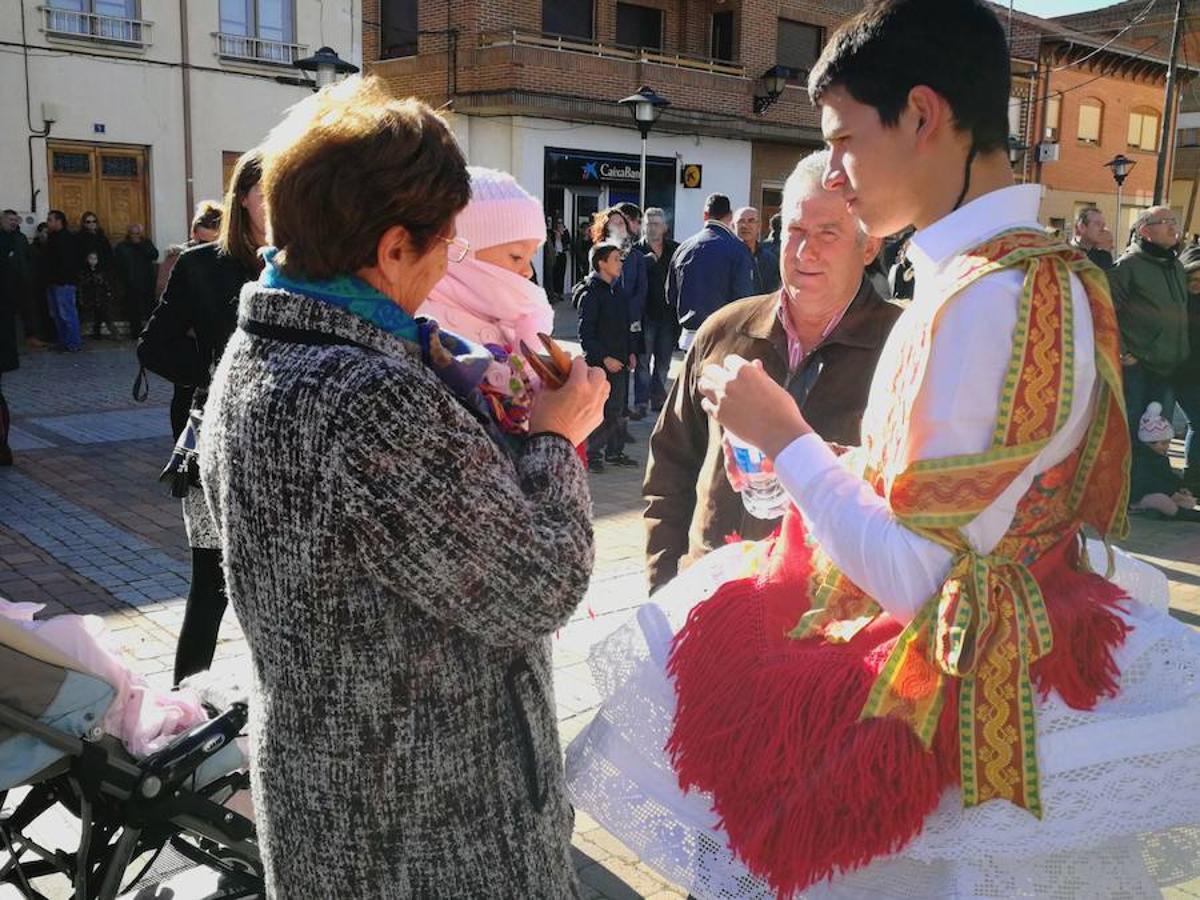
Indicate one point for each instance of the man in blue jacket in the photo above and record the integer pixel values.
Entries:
(710, 269)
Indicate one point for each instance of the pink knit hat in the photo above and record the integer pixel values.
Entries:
(500, 211)
(1153, 427)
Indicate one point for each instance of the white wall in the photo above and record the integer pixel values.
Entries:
(517, 145)
(137, 95)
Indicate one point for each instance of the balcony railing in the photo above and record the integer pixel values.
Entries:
(609, 51)
(95, 27)
(257, 50)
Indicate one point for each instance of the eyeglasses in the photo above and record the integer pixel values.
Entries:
(458, 248)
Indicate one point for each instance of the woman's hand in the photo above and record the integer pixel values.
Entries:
(744, 399)
(613, 365)
(574, 410)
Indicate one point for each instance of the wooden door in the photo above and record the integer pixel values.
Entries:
(72, 180)
(122, 190)
(109, 180)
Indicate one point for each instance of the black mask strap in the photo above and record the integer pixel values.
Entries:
(966, 177)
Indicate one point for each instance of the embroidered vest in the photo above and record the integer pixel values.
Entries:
(988, 623)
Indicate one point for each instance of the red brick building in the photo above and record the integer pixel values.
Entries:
(1098, 82)
(1149, 30)
(533, 86)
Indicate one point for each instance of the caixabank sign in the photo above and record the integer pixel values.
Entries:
(579, 167)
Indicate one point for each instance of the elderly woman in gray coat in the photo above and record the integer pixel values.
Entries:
(396, 564)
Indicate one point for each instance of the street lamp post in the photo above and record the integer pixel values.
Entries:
(327, 65)
(1120, 166)
(645, 106)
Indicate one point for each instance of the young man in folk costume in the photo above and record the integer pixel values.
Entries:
(920, 688)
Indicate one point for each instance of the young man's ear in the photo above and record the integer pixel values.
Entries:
(928, 110)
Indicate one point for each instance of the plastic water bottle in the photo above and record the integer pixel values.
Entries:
(763, 496)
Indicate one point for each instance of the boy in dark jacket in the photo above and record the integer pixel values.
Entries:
(607, 341)
(96, 296)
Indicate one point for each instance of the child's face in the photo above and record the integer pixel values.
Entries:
(93, 260)
(1162, 448)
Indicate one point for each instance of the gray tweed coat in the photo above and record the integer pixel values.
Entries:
(397, 578)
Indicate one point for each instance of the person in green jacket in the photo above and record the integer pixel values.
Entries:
(1149, 288)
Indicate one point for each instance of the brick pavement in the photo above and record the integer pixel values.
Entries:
(86, 528)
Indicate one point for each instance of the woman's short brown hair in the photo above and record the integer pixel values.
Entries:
(237, 233)
(349, 163)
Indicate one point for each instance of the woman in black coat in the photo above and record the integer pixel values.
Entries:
(183, 342)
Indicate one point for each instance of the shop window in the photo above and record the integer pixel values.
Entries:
(1090, 113)
(569, 18)
(722, 35)
(798, 44)
(1053, 111)
(639, 26)
(397, 28)
(1143, 129)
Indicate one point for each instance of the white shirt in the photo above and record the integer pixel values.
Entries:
(955, 411)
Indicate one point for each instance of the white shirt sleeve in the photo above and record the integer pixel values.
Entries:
(955, 413)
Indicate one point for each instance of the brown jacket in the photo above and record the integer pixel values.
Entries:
(690, 506)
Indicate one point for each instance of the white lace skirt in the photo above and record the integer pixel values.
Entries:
(1120, 784)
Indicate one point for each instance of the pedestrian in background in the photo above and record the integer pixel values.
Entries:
(93, 239)
(1185, 380)
(607, 341)
(766, 261)
(559, 242)
(9, 358)
(710, 269)
(135, 260)
(206, 227)
(16, 258)
(183, 343)
(95, 296)
(1091, 234)
(660, 327)
(62, 263)
(1149, 292)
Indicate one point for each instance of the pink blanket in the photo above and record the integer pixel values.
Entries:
(145, 719)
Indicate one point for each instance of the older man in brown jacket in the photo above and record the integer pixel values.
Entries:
(820, 336)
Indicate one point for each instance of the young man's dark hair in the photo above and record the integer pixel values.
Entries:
(10, 212)
(58, 215)
(956, 47)
(717, 206)
(599, 253)
(630, 210)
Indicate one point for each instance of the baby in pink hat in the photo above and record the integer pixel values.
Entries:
(488, 297)
(1154, 485)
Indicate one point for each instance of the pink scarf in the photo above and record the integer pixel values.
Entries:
(474, 295)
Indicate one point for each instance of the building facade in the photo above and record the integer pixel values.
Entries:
(136, 109)
(1098, 81)
(531, 87)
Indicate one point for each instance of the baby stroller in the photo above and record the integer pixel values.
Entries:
(140, 821)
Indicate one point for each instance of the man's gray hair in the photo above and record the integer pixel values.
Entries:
(807, 178)
(1081, 220)
(654, 211)
(1147, 214)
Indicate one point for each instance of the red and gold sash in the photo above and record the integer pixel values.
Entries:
(988, 623)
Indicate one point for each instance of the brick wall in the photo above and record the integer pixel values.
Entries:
(1080, 167)
(697, 97)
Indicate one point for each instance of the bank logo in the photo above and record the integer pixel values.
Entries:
(589, 172)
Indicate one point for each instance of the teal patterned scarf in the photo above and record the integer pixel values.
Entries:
(347, 292)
